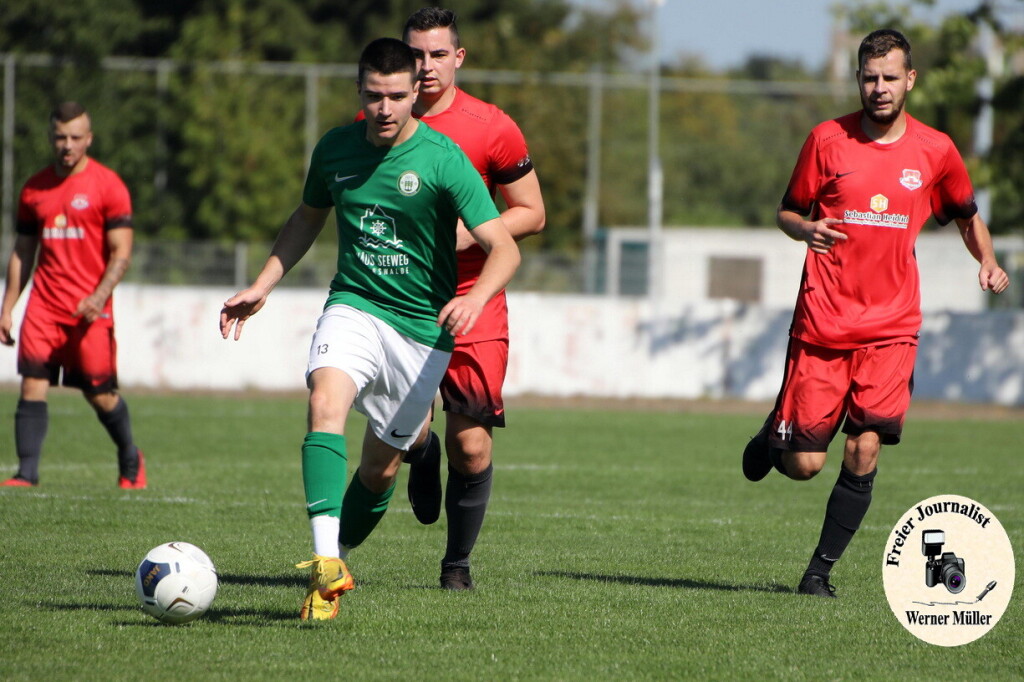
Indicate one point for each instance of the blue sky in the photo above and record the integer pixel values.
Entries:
(724, 32)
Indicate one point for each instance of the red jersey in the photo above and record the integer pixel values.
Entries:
(71, 217)
(866, 290)
(497, 149)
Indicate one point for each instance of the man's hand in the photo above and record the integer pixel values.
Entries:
(460, 314)
(820, 236)
(993, 278)
(240, 308)
(90, 308)
(6, 324)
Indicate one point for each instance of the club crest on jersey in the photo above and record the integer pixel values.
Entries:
(409, 183)
(911, 179)
(879, 203)
(80, 202)
(378, 230)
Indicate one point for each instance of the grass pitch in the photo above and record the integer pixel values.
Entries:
(619, 545)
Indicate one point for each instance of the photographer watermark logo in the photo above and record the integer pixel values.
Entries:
(948, 570)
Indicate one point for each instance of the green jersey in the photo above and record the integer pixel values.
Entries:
(397, 209)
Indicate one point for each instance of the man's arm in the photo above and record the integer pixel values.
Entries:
(524, 216)
(818, 234)
(978, 240)
(19, 269)
(297, 235)
(461, 313)
(119, 243)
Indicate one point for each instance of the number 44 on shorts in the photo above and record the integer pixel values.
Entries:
(785, 430)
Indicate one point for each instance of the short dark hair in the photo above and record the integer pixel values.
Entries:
(880, 43)
(387, 56)
(432, 17)
(66, 111)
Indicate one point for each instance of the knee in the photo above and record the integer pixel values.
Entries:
(802, 466)
(469, 453)
(325, 414)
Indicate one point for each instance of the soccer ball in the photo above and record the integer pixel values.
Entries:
(176, 582)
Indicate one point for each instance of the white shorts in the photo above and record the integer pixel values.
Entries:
(396, 378)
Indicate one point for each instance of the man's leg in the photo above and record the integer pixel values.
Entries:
(112, 411)
(469, 445)
(369, 492)
(847, 505)
(324, 468)
(31, 421)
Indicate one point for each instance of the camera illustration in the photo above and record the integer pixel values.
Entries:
(948, 569)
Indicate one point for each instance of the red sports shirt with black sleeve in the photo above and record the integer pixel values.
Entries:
(866, 290)
(497, 149)
(71, 217)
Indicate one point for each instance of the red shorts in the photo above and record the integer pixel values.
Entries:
(870, 387)
(86, 352)
(472, 384)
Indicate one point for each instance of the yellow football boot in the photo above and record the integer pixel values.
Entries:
(328, 580)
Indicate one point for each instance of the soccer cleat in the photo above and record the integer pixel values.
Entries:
(456, 578)
(139, 483)
(756, 459)
(425, 482)
(18, 482)
(817, 586)
(328, 580)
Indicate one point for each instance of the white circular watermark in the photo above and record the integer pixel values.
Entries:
(948, 570)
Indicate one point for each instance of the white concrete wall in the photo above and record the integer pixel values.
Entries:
(948, 272)
(561, 346)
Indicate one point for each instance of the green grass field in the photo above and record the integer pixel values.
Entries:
(619, 545)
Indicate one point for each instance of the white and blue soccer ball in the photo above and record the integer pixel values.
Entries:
(176, 582)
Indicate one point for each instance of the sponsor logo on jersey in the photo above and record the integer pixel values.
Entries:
(911, 179)
(80, 202)
(378, 230)
(409, 183)
(877, 217)
(60, 229)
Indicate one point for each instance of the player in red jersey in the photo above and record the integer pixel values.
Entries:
(471, 389)
(76, 214)
(863, 187)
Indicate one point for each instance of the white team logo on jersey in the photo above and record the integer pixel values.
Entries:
(409, 183)
(911, 179)
(80, 202)
(378, 229)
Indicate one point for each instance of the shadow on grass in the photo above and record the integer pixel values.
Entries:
(218, 615)
(297, 580)
(685, 583)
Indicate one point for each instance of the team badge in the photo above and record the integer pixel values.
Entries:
(378, 229)
(409, 183)
(80, 202)
(879, 203)
(911, 179)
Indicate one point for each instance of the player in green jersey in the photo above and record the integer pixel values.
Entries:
(383, 342)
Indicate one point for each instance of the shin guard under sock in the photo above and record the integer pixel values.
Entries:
(465, 502)
(361, 511)
(847, 505)
(324, 467)
(118, 424)
(31, 420)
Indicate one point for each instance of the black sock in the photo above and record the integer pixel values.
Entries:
(31, 420)
(849, 502)
(465, 502)
(119, 426)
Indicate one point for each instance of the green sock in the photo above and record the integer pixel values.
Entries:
(324, 467)
(362, 510)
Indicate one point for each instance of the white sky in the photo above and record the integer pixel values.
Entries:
(724, 32)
